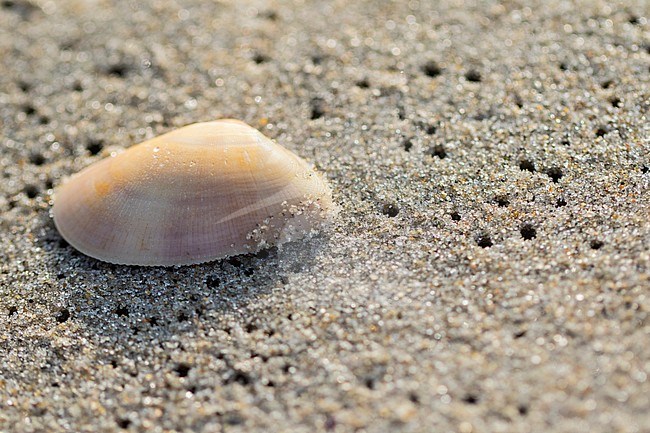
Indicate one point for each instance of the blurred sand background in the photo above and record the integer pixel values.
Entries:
(488, 272)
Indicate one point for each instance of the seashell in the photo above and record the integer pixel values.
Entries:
(200, 193)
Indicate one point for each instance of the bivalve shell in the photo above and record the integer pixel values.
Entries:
(200, 193)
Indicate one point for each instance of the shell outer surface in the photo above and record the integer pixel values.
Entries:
(200, 193)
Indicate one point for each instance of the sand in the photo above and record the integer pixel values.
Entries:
(488, 270)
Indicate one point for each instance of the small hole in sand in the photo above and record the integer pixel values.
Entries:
(24, 86)
(29, 110)
(473, 76)
(369, 382)
(522, 409)
(118, 70)
(63, 315)
(431, 69)
(240, 377)
(390, 209)
(31, 191)
(502, 201)
(123, 423)
(527, 165)
(363, 83)
(260, 58)
(484, 241)
(122, 311)
(95, 146)
(407, 144)
(182, 369)
(471, 399)
(270, 15)
(438, 150)
(555, 173)
(317, 108)
(602, 131)
(528, 232)
(596, 244)
(36, 159)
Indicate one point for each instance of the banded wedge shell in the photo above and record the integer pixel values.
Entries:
(200, 193)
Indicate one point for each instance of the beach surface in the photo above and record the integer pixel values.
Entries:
(488, 271)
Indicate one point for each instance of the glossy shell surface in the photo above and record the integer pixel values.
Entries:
(200, 193)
